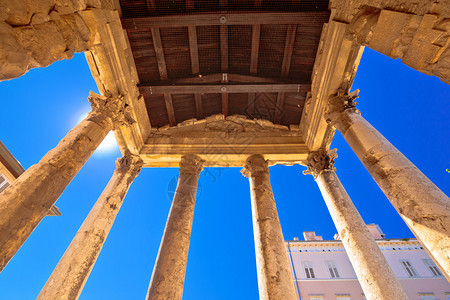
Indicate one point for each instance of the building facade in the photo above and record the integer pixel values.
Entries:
(10, 170)
(322, 269)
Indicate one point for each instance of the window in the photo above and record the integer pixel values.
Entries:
(447, 296)
(426, 296)
(408, 268)
(4, 183)
(316, 297)
(432, 267)
(332, 269)
(343, 297)
(309, 272)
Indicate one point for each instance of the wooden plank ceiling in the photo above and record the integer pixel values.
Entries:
(196, 58)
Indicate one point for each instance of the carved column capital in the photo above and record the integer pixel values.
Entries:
(255, 164)
(113, 108)
(191, 164)
(319, 161)
(129, 163)
(338, 107)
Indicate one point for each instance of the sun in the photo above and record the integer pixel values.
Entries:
(108, 144)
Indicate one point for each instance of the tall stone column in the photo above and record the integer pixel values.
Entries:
(376, 277)
(28, 199)
(274, 274)
(422, 205)
(71, 273)
(170, 267)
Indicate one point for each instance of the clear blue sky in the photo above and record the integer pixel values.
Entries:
(411, 109)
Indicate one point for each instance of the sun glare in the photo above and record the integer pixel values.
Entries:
(108, 144)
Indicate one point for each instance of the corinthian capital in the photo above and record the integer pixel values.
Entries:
(191, 164)
(113, 108)
(319, 161)
(341, 102)
(255, 164)
(130, 163)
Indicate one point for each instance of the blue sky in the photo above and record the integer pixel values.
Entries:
(38, 109)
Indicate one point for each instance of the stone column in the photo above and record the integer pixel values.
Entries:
(274, 274)
(376, 277)
(28, 199)
(71, 273)
(422, 205)
(170, 267)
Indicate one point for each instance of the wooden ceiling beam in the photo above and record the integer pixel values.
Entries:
(190, 4)
(217, 19)
(157, 44)
(286, 65)
(151, 6)
(193, 48)
(256, 34)
(225, 88)
(288, 49)
(224, 65)
(214, 78)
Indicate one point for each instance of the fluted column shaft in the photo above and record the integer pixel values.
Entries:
(170, 268)
(274, 274)
(28, 199)
(421, 204)
(71, 273)
(376, 277)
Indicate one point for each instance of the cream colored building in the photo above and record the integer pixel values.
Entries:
(322, 270)
(221, 83)
(10, 170)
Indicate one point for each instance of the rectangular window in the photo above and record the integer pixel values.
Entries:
(332, 269)
(426, 296)
(309, 272)
(316, 297)
(408, 268)
(4, 183)
(429, 263)
(343, 297)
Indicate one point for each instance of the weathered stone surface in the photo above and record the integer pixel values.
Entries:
(14, 59)
(71, 273)
(36, 33)
(421, 204)
(28, 199)
(274, 274)
(346, 10)
(420, 38)
(170, 267)
(376, 277)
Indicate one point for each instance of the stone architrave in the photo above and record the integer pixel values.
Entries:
(421, 204)
(71, 273)
(274, 273)
(376, 277)
(28, 199)
(170, 268)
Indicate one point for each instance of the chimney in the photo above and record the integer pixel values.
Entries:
(311, 236)
(295, 238)
(376, 232)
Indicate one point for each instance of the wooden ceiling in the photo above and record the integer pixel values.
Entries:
(197, 58)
